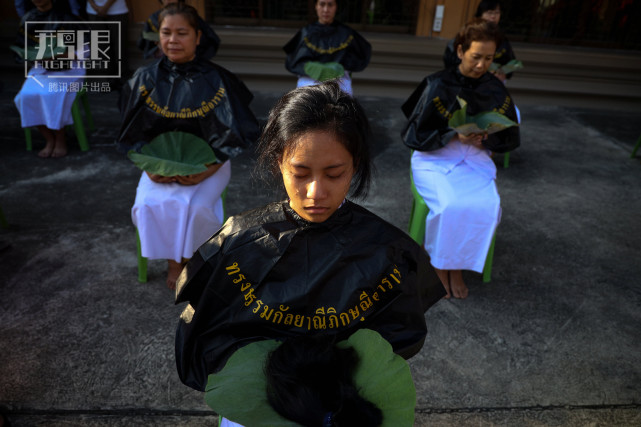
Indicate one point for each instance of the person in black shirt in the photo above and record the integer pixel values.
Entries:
(324, 43)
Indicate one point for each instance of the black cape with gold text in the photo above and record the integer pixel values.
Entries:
(269, 274)
(207, 48)
(432, 102)
(198, 97)
(335, 42)
(503, 55)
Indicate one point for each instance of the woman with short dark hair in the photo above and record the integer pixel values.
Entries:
(453, 172)
(490, 11)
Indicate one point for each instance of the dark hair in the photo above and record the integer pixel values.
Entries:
(309, 381)
(180, 8)
(322, 107)
(486, 5)
(477, 30)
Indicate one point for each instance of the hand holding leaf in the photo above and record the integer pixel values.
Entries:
(174, 154)
(487, 122)
(320, 71)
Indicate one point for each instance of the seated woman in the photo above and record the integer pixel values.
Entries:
(315, 263)
(452, 172)
(327, 41)
(46, 97)
(148, 40)
(183, 92)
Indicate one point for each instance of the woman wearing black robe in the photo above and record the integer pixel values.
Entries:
(314, 264)
(183, 92)
(327, 41)
(454, 173)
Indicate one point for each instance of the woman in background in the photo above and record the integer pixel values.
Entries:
(45, 99)
(182, 92)
(452, 172)
(490, 11)
(148, 41)
(327, 41)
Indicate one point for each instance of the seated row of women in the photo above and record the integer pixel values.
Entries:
(319, 264)
(315, 263)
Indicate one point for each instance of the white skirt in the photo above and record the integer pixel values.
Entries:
(345, 82)
(464, 207)
(227, 423)
(173, 220)
(49, 104)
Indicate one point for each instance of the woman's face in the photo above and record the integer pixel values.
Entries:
(477, 59)
(326, 11)
(493, 16)
(317, 173)
(178, 39)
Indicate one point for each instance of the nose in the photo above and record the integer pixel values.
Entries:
(316, 190)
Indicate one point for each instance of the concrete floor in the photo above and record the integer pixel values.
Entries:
(553, 340)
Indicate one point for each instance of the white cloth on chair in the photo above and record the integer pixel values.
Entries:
(228, 423)
(46, 99)
(457, 183)
(173, 220)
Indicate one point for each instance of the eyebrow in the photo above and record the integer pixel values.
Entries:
(177, 29)
(302, 166)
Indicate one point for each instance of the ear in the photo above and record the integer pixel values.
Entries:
(459, 51)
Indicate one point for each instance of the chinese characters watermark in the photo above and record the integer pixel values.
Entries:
(80, 49)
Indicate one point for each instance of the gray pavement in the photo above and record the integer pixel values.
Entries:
(553, 340)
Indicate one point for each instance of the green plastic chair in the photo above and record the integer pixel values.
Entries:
(142, 261)
(416, 228)
(636, 147)
(78, 125)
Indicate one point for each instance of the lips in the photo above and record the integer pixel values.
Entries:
(316, 210)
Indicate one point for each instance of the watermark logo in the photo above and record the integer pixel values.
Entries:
(75, 50)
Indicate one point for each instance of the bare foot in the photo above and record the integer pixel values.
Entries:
(50, 137)
(445, 280)
(60, 149)
(459, 289)
(46, 152)
(173, 272)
